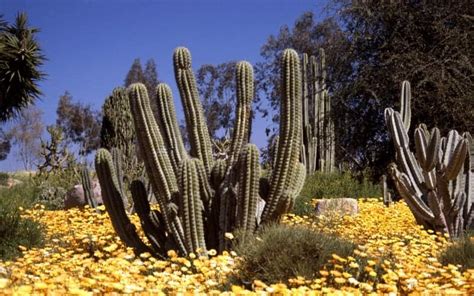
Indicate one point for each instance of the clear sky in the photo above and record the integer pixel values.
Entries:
(91, 44)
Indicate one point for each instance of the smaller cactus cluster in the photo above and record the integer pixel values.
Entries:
(202, 197)
(437, 181)
(318, 150)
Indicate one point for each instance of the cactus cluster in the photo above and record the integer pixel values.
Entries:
(200, 197)
(437, 181)
(318, 150)
(117, 131)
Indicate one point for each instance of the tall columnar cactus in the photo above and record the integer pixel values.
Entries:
(118, 132)
(87, 188)
(438, 183)
(201, 198)
(318, 151)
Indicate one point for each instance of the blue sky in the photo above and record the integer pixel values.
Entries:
(91, 44)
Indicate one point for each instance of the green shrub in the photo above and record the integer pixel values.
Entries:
(4, 178)
(14, 230)
(332, 185)
(461, 252)
(280, 252)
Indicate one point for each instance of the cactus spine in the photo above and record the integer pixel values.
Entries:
(318, 150)
(437, 185)
(202, 198)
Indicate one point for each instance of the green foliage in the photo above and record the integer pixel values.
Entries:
(333, 185)
(4, 178)
(14, 230)
(279, 252)
(20, 59)
(461, 252)
(80, 123)
(117, 131)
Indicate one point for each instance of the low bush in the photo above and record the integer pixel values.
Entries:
(4, 178)
(14, 230)
(332, 185)
(281, 252)
(461, 252)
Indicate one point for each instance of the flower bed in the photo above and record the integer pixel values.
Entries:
(83, 256)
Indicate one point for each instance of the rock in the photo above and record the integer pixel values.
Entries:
(75, 197)
(341, 206)
(13, 182)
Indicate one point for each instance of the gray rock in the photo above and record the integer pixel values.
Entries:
(75, 196)
(341, 206)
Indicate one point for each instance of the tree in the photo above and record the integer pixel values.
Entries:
(80, 123)
(5, 144)
(20, 59)
(216, 86)
(26, 133)
(371, 47)
(149, 78)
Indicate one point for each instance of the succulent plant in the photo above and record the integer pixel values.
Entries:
(201, 198)
(437, 182)
(318, 150)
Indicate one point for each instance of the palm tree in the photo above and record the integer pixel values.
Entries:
(20, 59)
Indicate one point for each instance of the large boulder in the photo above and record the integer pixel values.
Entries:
(75, 196)
(340, 206)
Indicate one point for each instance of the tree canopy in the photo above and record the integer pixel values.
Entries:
(20, 60)
(371, 47)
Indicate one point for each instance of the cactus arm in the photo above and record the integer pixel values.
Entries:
(200, 140)
(151, 227)
(405, 104)
(114, 202)
(169, 125)
(191, 206)
(456, 162)
(245, 93)
(87, 188)
(290, 134)
(158, 164)
(117, 159)
(249, 175)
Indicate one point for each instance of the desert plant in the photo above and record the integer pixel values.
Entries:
(438, 184)
(117, 131)
(332, 185)
(278, 253)
(461, 252)
(318, 151)
(201, 198)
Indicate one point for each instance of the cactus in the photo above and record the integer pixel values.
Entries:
(318, 150)
(201, 197)
(87, 188)
(437, 184)
(117, 131)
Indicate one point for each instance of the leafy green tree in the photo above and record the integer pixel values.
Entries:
(149, 78)
(216, 86)
(80, 123)
(20, 59)
(26, 133)
(5, 145)
(371, 47)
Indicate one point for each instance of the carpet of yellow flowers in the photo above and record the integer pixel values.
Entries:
(84, 257)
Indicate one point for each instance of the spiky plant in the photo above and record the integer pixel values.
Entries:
(20, 59)
(202, 198)
(437, 182)
(318, 150)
